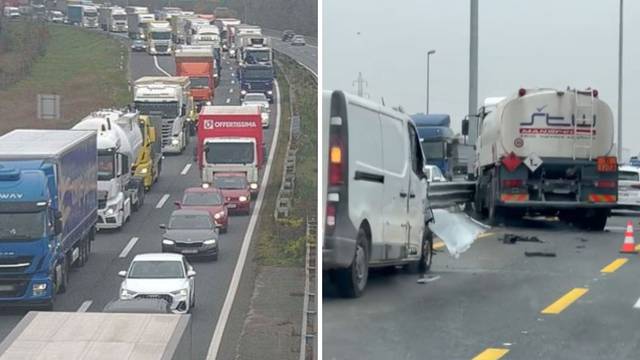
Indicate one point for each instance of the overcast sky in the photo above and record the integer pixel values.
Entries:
(532, 43)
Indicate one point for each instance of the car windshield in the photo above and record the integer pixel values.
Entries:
(230, 182)
(230, 153)
(21, 226)
(106, 166)
(156, 269)
(190, 221)
(255, 98)
(265, 73)
(168, 109)
(433, 150)
(628, 175)
(200, 82)
(202, 198)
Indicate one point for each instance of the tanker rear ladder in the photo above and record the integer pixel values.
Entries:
(584, 108)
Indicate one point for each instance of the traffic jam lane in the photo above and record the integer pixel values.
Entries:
(484, 300)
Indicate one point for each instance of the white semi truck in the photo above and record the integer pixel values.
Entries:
(89, 16)
(119, 146)
(113, 19)
(169, 97)
(137, 19)
(549, 152)
(158, 34)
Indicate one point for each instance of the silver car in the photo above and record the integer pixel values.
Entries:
(260, 100)
(160, 276)
(298, 40)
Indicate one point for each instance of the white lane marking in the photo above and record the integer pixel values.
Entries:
(163, 200)
(228, 100)
(128, 247)
(186, 169)
(216, 340)
(155, 62)
(85, 306)
(637, 304)
(616, 228)
(231, 90)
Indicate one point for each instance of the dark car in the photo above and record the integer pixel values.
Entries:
(236, 190)
(191, 233)
(287, 35)
(209, 199)
(139, 306)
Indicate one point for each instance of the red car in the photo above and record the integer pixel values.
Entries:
(209, 199)
(235, 188)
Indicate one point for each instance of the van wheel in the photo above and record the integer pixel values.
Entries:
(424, 264)
(352, 281)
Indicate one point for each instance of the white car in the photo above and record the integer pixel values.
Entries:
(260, 100)
(434, 174)
(629, 187)
(160, 276)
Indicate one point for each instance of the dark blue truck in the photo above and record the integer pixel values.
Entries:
(48, 212)
(256, 79)
(436, 137)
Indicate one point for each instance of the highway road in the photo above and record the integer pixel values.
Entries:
(93, 286)
(306, 55)
(493, 297)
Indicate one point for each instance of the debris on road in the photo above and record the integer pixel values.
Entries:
(512, 239)
(539, 254)
(427, 279)
(455, 229)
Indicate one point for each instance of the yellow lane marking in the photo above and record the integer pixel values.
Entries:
(564, 302)
(483, 235)
(615, 265)
(491, 354)
(438, 245)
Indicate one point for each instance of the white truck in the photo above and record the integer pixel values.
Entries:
(206, 35)
(137, 19)
(547, 151)
(169, 97)
(158, 34)
(119, 146)
(11, 12)
(146, 334)
(256, 50)
(242, 36)
(191, 26)
(113, 19)
(89, 16)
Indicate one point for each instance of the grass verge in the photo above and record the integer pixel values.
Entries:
(282, 242)
(83, 67)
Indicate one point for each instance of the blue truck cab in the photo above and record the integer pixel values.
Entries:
(48, 212)
(436, 137)
(256, 78)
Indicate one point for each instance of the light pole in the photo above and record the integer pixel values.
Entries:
(429, 53)
(620, 86)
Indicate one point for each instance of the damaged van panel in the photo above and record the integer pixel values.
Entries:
(456, 229)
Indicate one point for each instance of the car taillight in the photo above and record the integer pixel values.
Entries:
(335, 162)
(331, 217)
(607, 164)
(511, 162)
(512, 183)
(607, 184)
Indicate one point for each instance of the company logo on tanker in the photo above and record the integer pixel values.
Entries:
(222, 124)
(556, 126)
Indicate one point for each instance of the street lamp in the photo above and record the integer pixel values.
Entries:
(429, 53)
(620, 84)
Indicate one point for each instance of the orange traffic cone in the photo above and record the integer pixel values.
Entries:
(629, 246)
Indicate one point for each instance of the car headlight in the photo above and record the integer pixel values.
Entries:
(270, 92)
(253, 186)
(39, 289)
(209, 242)
(218, 215)
(168, 242)
(242, 198)
(175, 141)
(181, 292)
(126, 294)
(243, 92)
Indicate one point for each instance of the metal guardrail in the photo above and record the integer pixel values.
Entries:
(447, 194)
(309, 328)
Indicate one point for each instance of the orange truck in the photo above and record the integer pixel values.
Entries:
(197, 62)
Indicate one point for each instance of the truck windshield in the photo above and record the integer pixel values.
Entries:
(230, 182)
(200, 82)
(256, 56)
(168, 109)
(161, 35)
(230, 153)
(433, 150)
(257, 73)
(18, 226)
(119, 17)
(106, 166)
(90, 14)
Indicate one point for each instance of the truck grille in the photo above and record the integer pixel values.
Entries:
(162, 48)
(167, 130)
(15, 264)
(13, 288)
(165, 297)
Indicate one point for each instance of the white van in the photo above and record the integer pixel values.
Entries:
(375, 192)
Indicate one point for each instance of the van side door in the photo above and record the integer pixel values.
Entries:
(417, 194)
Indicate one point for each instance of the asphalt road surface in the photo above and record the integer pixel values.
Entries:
(490, 301)
(306, 55)
(97, 283)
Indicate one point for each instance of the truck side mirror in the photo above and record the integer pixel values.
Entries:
(184, 110)
(57, 222)
(465, 127)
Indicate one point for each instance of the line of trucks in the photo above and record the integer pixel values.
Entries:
(539, 152)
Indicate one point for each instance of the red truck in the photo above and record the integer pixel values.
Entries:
(230, 139)
(197, 62)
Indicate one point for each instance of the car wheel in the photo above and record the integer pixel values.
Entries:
(352, 281)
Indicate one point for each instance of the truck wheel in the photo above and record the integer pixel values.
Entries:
(352, 281)
(595, 220)
(82, 248)
(61, 288)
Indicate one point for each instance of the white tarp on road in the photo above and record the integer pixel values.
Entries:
(456, 229)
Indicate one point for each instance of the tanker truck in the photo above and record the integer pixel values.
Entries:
(119, 145)
(548, 152)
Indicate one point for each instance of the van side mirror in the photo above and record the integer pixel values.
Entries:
(465, 127)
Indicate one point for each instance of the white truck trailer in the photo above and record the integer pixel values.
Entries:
(549, 152)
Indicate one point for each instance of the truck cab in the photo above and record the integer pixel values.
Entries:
(89, 16)
(257, 54)
(197, 62)
(256, 78)
(159, 38)
(118, 20)
(436, 138)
